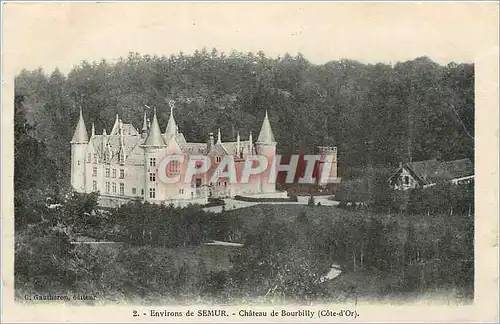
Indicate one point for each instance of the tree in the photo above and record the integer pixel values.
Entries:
(416, 108)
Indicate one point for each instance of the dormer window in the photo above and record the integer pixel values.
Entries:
(218, 159)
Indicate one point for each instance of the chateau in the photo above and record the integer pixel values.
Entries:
(123, 165)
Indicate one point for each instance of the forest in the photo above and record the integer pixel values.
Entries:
(377, 115)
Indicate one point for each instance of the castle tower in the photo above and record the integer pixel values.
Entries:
(154, 143)
(78, 149)
(171, 129)
(266, 146)
(327, 166)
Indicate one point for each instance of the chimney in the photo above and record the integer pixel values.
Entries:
(210, 142)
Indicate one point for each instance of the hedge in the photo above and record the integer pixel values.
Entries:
(251, 199)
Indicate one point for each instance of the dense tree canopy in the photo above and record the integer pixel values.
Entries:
(375, 113)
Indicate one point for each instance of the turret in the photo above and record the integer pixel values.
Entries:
(114, 130)
(80, 135)
(121, 157)
(219, 137)
(171, 129)
(78, 151)
(144, 132)
(266, 146)
(154, 136)
(153, 144)
(210, 141)
(266, 134)
(328, 160)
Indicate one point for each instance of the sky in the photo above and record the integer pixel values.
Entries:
(51, 35)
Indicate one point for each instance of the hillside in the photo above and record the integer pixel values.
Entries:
(375, 114)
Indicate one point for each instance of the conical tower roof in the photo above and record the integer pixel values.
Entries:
(80, 135)
(171, 129)
(154, 137)
(145, 123)
(266, 134)
(114, 130)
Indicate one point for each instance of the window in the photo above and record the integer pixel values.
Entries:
(198, 183)
(107, 187)
(78, 162)
(94, 186)
(407, 180)
(142, 192)
(152, 176)
(89, 158)
(94, 171)
(107, 173)
(114, 187)
(152, 192)
(122, 173)
(225, 183)
(122, 189)
(134, 191)
(218, 159)
(174, 168)
(114, 173)
(152, 161)
(181, 191)
(95, 158)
